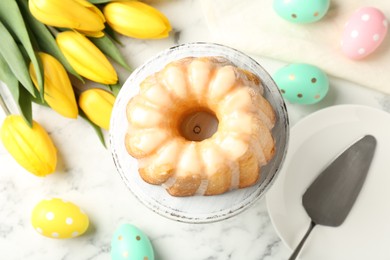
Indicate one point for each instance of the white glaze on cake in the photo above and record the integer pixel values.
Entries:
(228, 159)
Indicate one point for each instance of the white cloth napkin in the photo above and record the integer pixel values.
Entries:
(253, 26)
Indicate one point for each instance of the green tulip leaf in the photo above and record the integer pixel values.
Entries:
(109, 31)
(14, 58)
(47, 42)
(97, 129)
(39, 101)
(34, 43)
(25, 105)
(9, 78)
(12, 19)
(19, 94)
(108, 47)
(115, 88)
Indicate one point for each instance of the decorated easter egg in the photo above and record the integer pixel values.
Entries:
(300, 11)
(56, 218)
(363, 32)
(129, 242)
(302, 83)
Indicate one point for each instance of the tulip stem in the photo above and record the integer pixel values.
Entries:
(3, 105)
(53, 30)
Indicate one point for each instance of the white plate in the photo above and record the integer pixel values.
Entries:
(314, 142)
(195, 209)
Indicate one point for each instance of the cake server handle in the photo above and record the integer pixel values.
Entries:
(300, 245)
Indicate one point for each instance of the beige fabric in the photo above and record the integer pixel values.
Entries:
(253, 26)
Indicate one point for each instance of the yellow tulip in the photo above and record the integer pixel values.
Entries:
(31, 147)
(86, 58)
(58, 89)
(97, 105)
(136, 19)
(76, 14)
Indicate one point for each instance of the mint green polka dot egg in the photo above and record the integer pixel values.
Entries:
(130, 243)
(302, 83)
(301, 11)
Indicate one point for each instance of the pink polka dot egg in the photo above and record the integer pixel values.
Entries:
(56, 218)
(364, 32)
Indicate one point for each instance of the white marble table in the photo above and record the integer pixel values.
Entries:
(87, 176)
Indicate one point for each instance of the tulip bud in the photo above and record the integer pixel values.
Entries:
(76, 14)
(86, 58)
(136, 19)
(97, 105)
(58, 89)
(31, 147)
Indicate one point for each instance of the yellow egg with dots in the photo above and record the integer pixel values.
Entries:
(57, 218)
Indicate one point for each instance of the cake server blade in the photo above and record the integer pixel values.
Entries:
(329, 199)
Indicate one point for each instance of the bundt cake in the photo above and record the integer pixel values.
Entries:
(200, 126)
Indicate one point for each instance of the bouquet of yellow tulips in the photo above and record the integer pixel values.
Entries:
(43, 41)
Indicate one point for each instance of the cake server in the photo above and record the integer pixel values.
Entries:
(330, 197)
